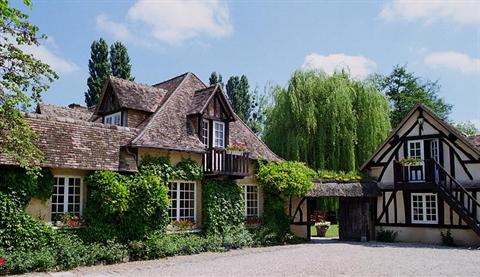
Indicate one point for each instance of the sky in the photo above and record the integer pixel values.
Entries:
(267, 41)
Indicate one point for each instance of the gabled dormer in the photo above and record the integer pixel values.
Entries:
(211, 113)
(126, 103)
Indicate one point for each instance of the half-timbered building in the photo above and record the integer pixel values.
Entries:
(428, 174)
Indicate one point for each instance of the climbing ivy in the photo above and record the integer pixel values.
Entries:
(186, 169)
(16, 182)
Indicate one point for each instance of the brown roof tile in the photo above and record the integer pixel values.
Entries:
(240, 134)
(69, 143)
(201, 98)
(73, 111)
(136, 96)
(167, 128)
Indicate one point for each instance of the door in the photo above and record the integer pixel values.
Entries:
(416, 168)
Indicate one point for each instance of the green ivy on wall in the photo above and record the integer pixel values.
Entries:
(17, 183)
(223, 213)
(186, 169)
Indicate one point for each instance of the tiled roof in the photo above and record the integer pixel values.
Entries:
(240, 134)
(73, 111)
(201, 98)
(69, 143)
(136, 96)
(167, 128)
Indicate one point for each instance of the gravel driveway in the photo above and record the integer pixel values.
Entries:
(319, 259)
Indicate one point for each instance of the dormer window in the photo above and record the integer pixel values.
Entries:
(113, 119)
(218, 134)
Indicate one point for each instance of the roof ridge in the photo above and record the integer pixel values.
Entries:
(163, 82)
(77, 122)
(137, 83)
(140, 135)
(209, 87)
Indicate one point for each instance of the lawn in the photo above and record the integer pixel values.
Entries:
(332, 232)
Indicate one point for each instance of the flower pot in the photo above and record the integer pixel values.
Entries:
(321, 230)
(234, 152)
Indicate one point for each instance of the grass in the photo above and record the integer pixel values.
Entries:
(332, 232)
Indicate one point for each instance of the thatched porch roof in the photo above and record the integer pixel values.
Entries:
(343, 189)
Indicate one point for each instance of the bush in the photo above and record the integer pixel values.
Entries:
(286, 178)
(161, 245)
(18, 230)
(384, 235)
(447, 238)
(124, 208)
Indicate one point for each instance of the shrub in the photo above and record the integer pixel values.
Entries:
(124, 208)
(447, 238)
(286, 178)
(18, 230)
(28, 260)
(385, 235)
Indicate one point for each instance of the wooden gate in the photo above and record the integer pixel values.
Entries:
(355, 218)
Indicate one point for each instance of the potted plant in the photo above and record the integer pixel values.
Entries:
(322, 227)
(68, 221)
(181, 225)
(235, 149)
(410, 161)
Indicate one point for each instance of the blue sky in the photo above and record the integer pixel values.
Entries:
(267, 41)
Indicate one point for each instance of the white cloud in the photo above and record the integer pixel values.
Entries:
(57, 63)
(358, 66)
(170, 22)
(118, 30)
(463, 12)
(453, 60)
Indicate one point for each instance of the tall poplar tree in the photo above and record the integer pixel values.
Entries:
(216, 78)
(99, 69)
(329, 122)
(238, 93)
(120, 61)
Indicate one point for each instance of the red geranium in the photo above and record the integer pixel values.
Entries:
(2, 261)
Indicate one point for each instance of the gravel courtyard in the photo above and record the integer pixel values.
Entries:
(319, 259)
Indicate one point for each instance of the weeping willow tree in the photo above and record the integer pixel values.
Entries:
(329, 122)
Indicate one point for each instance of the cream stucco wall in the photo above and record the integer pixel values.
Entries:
(462, 237)
(42, 210)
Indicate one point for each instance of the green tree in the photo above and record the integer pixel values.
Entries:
(257, 118)
(120, 61)
(404, 90)
(239, 95)
(467, 128)
(331, 123)
(23, 79)
(99, 69)
(216, 78)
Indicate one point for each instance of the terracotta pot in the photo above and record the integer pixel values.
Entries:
(321, 230)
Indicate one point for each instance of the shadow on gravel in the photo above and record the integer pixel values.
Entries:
(377, 244)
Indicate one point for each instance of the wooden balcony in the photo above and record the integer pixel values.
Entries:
(423, 172)
(221, 162)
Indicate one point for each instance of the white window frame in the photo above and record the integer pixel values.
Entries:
(424, 208)
(177, 208)
(111, 119)
(245, 192)
(434, 149)
(219, 123)
(66, 194)
(206, 132)
(422, 157)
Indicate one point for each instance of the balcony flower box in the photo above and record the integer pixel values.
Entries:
(234, 152)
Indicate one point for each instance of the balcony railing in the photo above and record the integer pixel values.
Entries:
(423, 171)
(221, 162)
